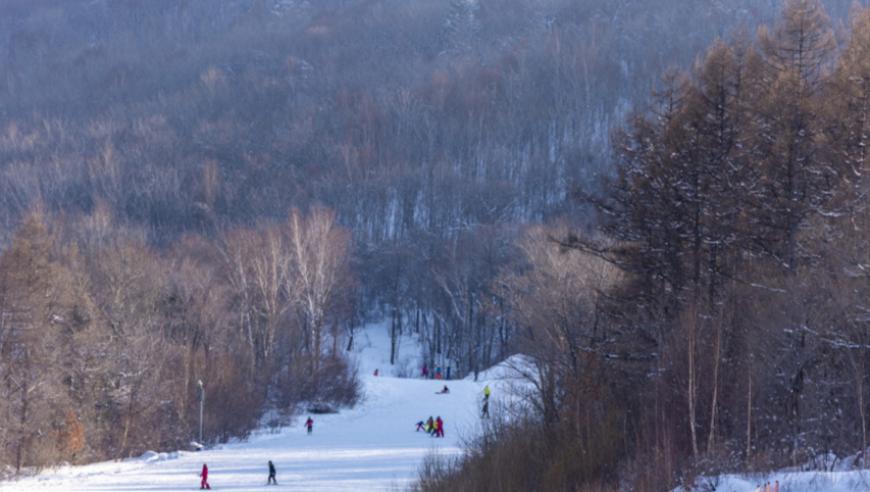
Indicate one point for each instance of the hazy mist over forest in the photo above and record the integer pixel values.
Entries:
(661, 202)
(404, 116)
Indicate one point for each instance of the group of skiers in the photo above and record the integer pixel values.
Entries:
(204, 485)
(436, 374)
(433, 427)
(272, 480)
(768, 487)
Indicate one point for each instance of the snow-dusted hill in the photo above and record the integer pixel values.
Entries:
(371, 447)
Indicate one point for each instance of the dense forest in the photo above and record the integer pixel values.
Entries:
(663, 203)
(716, 317)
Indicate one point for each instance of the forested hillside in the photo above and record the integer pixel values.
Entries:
(716, 317)
(224, 189)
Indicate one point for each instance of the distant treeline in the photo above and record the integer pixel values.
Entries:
(432, 129)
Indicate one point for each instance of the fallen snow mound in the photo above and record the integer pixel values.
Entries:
(808, 481)
(824, 473)
(154, 456)
(515, 368)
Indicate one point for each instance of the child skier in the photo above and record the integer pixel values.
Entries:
(309, 424)
(421, 426)
(203, 484)
(439, 427)
(486, 392)
(272, 480)
(485, 412)
(430, 425)
(445, 390)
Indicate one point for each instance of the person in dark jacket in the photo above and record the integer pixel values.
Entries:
(272, 479)
(203, 484)
(309, 424)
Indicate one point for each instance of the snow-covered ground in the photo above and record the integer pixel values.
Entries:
(373, 446)
(808, 481)
(841, 476)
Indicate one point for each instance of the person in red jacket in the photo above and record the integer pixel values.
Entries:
(439, 427)
(204, 474)
(310, 424)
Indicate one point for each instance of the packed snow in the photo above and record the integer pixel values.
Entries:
(825, 474)
(373, 446)
(806, 481)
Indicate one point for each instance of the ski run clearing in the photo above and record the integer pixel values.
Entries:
(371, 447)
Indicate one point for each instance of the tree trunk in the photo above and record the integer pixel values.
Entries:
(188, 379)
(858, 370)
(714, 403)
(691, 391)
(438, 335)
(393, 338)
(19, 449)
(316, 332)
(863, 421)
(128, 420)
(749, 418)
(350, 333)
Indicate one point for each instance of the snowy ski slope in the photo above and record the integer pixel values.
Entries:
(373, 447)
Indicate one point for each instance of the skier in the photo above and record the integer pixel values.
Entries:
(272, 479)
(376, 373)
(430, 425)
(486, 392)
(203, 484)
(310, 424)
(439, 427)
(445, 390)
(485, 412)
(421, 426)
(425, 371)
(438, 372)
